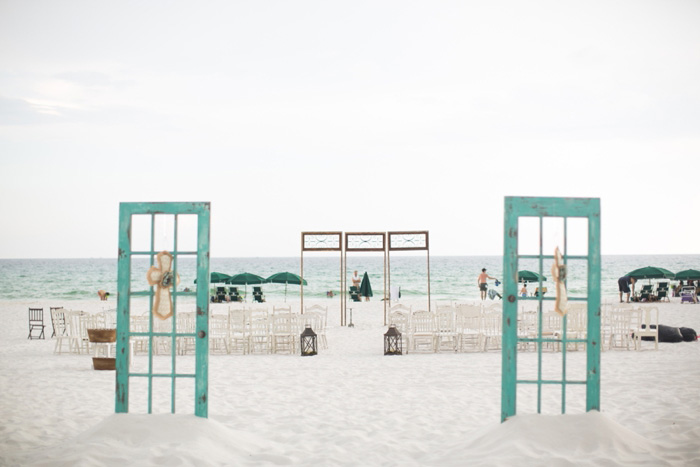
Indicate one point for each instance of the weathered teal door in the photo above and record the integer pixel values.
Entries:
(172, 338)
(538, 209)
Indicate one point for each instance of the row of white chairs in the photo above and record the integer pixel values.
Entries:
(623, 326)
(70, 328)
(458, 328)
(470, 327)
(240, 330)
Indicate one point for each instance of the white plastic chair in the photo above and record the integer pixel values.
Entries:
(648, 327)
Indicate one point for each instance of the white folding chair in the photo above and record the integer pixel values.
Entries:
(238, 331)
(423, 333)
(469, 327)
(318, 323)
(400, 316)
(446, 329)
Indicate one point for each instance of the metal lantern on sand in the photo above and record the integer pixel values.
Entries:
(308, 342)
(392, 341)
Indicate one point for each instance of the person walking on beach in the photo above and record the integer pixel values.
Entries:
(483, 284)
(103, 295)
(623, 284)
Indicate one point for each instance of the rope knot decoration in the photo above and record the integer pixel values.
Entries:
(162, 278)
(559, 277)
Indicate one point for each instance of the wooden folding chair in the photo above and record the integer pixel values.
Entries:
(36, 323)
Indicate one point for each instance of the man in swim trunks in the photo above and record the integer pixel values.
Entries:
(483, 285)
(624, 286)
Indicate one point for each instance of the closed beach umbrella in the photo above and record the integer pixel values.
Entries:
(365, 287)
(245, 278)
(285, 278)
(530, 276)
(688, 274)
(651, 272)
(217, 277)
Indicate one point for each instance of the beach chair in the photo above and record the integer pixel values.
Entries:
(221, 294)
(646, 293)
(688, 294)
(36, 323)
(258, 295)
(662, 291)
(354, 293)
(233, 294)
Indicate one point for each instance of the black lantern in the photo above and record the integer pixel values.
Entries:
(308, 342)
(392, 341)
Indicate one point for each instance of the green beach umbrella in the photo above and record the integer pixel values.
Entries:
(651, 272)
(687, 274)
(244, 279)
(216, 277)
(285, 278)
(365, 287)
(530, 276)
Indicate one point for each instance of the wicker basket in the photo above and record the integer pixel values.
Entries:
(102, 335)
(101, 363)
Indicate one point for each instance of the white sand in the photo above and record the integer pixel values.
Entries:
(350, 405)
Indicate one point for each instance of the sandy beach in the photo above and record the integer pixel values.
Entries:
(349, 405)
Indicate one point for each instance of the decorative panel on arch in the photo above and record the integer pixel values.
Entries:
(409, 241)
(365, 241)
(321, 241)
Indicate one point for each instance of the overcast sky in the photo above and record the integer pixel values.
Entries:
(294, 116)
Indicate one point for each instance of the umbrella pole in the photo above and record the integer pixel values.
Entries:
(285, 291)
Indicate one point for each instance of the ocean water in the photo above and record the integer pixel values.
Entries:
(451, 277)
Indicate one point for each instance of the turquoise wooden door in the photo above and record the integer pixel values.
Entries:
(127, 334)
(539, 209)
